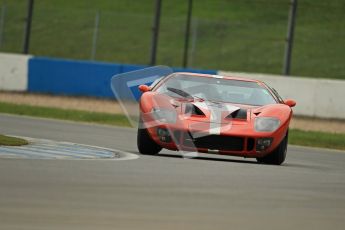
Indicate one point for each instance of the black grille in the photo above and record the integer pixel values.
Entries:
(250, 144)
(216, 142)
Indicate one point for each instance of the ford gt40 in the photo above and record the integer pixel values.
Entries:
(214, 114)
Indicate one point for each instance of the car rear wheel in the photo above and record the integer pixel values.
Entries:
(277, 157)
(145, 144)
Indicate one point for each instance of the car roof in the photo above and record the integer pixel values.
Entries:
(219, 76)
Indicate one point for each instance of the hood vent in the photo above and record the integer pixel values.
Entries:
(192, 109)
(238, 114)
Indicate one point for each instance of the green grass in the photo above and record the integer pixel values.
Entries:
(296, 137)
(64, 114)
(12, 141)
(237, 35)
(317, 139)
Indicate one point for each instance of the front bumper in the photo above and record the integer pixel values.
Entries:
(230, 143)
(237, 138)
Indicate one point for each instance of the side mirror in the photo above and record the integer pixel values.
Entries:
(290, 102)
(144, 88)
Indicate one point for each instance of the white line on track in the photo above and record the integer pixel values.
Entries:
(48, 149)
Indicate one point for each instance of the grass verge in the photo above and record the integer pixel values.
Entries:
(12, 141)
(317, 139)
(296, 137)
(64, 114)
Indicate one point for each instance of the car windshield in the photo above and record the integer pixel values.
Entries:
(215, 89)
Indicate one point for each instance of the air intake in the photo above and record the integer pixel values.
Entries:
(238, 114)
(192, 109)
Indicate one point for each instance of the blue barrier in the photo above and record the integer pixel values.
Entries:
(67, 77)
(128, 68)
(80, 78)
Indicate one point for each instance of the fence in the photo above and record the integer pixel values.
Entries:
(236, 35)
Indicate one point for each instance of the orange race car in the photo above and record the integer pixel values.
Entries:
(214, 114)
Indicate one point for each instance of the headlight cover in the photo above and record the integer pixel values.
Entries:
(266, 124)
(164, 115)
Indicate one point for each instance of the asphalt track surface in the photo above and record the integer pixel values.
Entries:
(165, 192)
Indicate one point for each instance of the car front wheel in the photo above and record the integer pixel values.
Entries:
(145, 144)
(277, 157)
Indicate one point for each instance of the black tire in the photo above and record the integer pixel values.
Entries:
(145, 144)
(277, 157)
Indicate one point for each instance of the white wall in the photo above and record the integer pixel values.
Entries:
(322, 98)
(13, 72)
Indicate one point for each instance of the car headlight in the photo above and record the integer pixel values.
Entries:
(164, 115)
(266, 124)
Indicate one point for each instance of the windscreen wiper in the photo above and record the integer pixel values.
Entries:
(180, 92)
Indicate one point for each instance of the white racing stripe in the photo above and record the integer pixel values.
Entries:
(215, 123)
